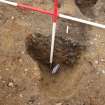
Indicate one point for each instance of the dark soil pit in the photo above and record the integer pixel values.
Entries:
(68, 47)
(86, 6)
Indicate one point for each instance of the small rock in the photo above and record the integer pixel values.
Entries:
(35, 68)
(7, 69)
(103, 71)
(10, 84)
(20, 60)
(12, 17)
(22, 52)
(95, 39)
(58, 103)
(102, 60)
(91, 43)
(21, 95)
(25, 69)
(96, 62)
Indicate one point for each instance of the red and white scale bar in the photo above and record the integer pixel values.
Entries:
(55, 15)
(50, 13)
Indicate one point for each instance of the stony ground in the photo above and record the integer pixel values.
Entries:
(23, 82)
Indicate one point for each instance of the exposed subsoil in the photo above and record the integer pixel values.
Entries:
(24, 53)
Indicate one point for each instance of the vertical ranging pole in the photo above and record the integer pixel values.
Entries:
(52, 42)
(55, 16)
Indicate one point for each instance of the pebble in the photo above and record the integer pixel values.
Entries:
(22, 52)
(7, 69)
(12, 17)
(96, 62)
(25, 69)
(91, 43)
(21, 95)
(20, 60)
(58, 103)
(35, 68)
(100, 72)
(102, 60)
(10, 84)
(95, 39)
(103, 71)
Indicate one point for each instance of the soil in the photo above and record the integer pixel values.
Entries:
(68, 46)
(25, 80)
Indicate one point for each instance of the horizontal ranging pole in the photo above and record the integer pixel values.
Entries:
(50, 13)
(28, 7)
(55, 16)
(82, 21)
(9, 2)
(34, 9)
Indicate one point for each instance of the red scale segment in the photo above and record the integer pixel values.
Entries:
(53, 14)
(28, 7)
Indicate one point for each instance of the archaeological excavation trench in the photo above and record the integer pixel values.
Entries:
(25, 41)
(68, 46)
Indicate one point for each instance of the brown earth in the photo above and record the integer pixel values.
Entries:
(23, 81)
